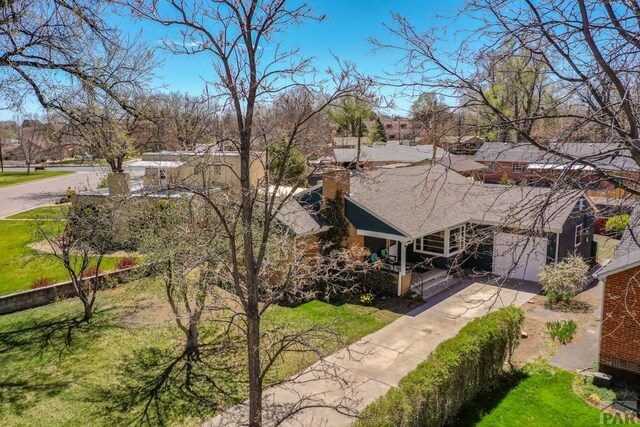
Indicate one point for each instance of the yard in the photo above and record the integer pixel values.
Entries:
(10, 178)
(56, 372)
(538, 395)
(20, 264)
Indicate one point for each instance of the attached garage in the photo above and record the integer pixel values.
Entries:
(520, 257)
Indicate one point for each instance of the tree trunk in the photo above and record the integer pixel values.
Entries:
(88, 311)
(192, 349)
(28, 167)
(255, 381)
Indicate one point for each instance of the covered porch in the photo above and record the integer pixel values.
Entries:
(420, 264)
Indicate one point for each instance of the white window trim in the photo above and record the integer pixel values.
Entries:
(518, 165)
(446, 253)
(578, 235)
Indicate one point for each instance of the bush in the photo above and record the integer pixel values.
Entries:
(455, 373)
(562, 330)
(42, 282)
(90, 271)
(378, 283)
(126, 262)
(617, 224)
(562, 281)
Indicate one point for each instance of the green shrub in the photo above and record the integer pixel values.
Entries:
(617, 224)
(378, 283)
(562, 330)
(455, 373)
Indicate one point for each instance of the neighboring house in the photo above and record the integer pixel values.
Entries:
(619, 352)
(467, 145)
(204, 168)
(349, 141)
(395, 127)
(390, 153)
(525, 162)
(430, 216)
(463, 165)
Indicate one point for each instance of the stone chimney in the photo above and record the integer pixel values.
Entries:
(119, 184)
(335, 181)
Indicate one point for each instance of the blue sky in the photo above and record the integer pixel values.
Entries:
(344, 32)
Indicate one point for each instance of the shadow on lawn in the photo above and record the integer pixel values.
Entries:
(160, 386)
(474, 411)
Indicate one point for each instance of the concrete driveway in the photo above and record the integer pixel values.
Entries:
(20, 197)
(334, 390)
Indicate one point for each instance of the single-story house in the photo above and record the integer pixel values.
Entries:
(424, 217)
(525, 162)
(619, 352)
(390, 153)
(467, 145)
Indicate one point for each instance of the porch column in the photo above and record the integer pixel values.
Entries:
(403, 265)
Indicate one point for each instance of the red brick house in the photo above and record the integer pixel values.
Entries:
(525, 162)
(619, 353)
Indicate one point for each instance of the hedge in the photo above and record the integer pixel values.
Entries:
(456, 372)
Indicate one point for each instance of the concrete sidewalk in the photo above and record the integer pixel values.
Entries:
(334, 390)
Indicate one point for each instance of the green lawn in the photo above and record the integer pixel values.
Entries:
(10, 178)
(539, 396)
(44, 212)
(19, 264)
(96, 380)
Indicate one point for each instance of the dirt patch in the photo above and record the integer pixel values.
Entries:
(148, 312)
(44, 246)
(537, 345)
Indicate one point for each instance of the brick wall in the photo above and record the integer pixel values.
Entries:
(42, 296)
(620, 336)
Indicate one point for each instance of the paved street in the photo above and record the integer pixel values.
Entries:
(17, 198)
(352, 378)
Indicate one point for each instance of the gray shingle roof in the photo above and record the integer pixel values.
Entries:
(390, 153)
(608, 156)
(461, 163)
(628, 251)
(421, 200)
(297, 218)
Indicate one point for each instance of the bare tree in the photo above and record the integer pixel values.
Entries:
(250, 68)
(79, 242)
(49, 45)
(31, 137)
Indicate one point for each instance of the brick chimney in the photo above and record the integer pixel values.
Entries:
(119, 184)
(334, 181)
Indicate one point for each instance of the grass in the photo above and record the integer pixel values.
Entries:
(537, 396)
(11, 178)
(57, 373)
(44, 212)
(21, 265)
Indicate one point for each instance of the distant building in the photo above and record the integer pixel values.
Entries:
(395, 127)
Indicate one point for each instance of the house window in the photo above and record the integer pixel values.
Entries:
(389, 126)
(443, 243)
(578, 238)
(518, 168)
(217, 169)
(493, 167)
(403, 126)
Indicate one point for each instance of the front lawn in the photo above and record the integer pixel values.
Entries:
(57, 373)
(10, 178)
(19, 264)
(536, 396)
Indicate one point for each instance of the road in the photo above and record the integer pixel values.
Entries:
(17, 198)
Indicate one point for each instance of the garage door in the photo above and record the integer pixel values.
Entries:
(519, 257)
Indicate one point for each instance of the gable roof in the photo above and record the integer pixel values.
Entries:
(461, 163)
(297, 218)
(389, 153)
(421, 200)
(628, 251)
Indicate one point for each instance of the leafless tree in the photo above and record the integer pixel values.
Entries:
(250, 68)
(31, 137)
(79, 241)
(48, 45)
